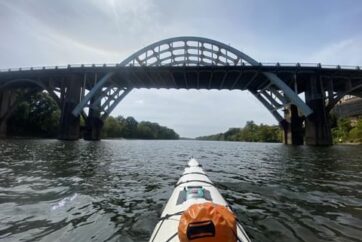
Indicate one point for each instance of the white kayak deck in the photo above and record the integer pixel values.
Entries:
(193, 176)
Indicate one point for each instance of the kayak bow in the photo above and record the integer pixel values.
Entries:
(196, 211)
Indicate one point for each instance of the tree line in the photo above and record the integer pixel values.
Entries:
(344, 130)
(251, 132)
(38, 115)
(130, 128)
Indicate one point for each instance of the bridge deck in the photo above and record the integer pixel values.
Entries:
(191, 77)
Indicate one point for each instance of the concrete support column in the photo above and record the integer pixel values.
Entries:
(317, 125)
(94, 124)
(293, 126)
(4, 106)
(70, 125)
(7, 100)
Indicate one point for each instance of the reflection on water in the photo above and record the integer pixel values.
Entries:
(115, 190)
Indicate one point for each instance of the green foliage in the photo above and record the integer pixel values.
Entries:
(145, 131)
(38, 116)
(112, 128)
(129, 128)
(232, 134)
(355, 134)
(250, 133)
(348, 130)
(218, 137)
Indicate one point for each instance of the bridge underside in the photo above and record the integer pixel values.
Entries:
(189, 77)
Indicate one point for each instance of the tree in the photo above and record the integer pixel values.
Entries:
(130, 128)
(38, 115)
(251, 132)
(145, 131)
(355, 134)
(341, 132)
(112, 128)
(232, 134)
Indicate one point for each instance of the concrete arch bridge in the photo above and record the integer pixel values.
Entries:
(93, 91)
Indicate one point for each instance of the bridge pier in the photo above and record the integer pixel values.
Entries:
(94, 124)
(293, 126)
(93, 128)
(317, 125)
(7, 100)
(69, 124)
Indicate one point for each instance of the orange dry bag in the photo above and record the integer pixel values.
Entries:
(207, 222)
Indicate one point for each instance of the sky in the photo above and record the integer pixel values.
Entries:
(48, 33)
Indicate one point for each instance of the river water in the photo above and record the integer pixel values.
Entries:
(114, 190)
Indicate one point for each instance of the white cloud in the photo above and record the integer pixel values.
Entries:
(139, 102)
(345, 52)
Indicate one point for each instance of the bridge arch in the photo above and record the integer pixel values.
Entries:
(338, 96)
(189, 51)
(12, 98)
(35, 83)
(22, 80)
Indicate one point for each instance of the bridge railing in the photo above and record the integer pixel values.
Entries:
(267, 64)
